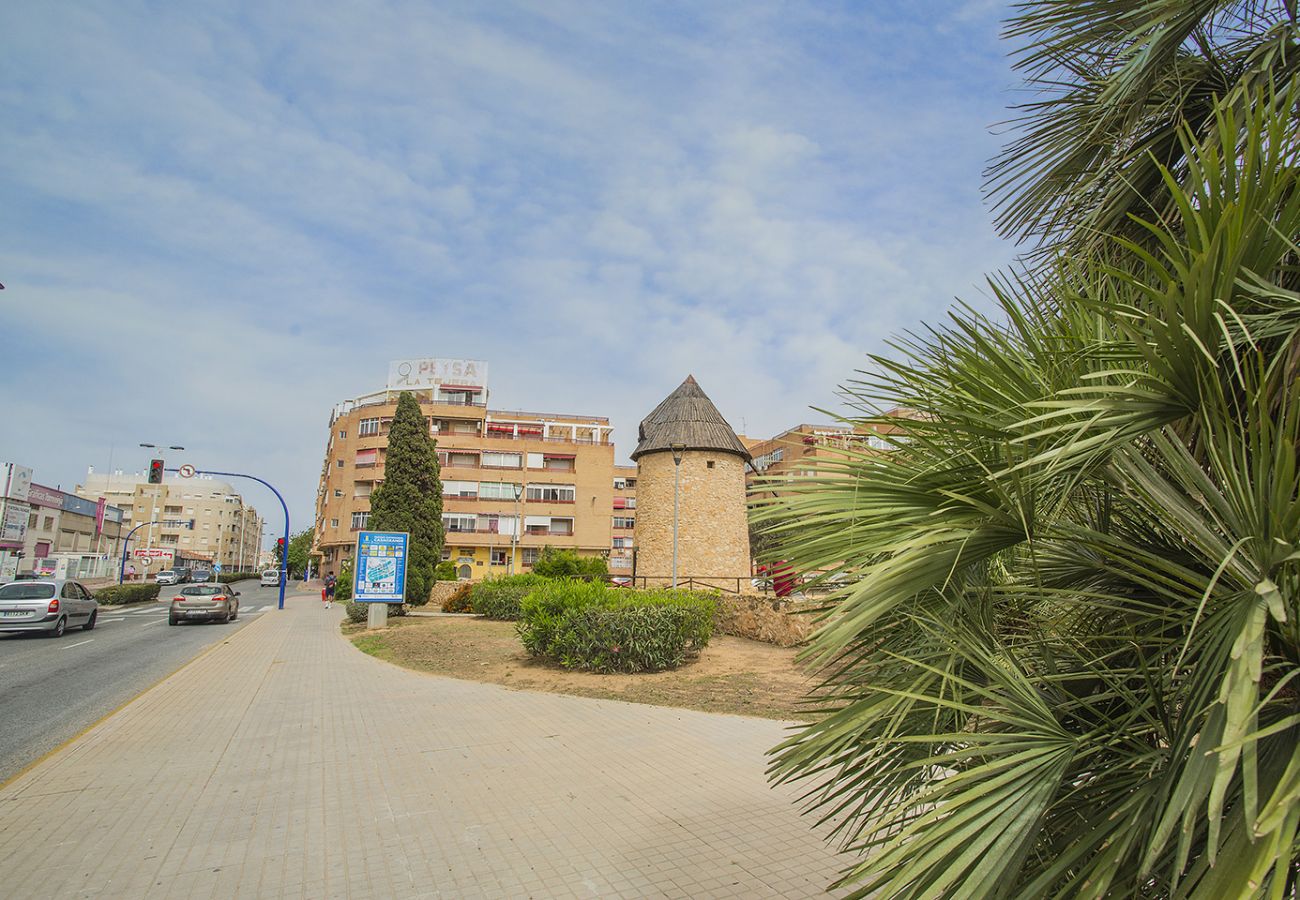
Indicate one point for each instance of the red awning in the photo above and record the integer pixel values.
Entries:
(461, 388)
(530, 431)
(508, 429)
(559, 456)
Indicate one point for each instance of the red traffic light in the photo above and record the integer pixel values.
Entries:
(155, 471)
(279, 542)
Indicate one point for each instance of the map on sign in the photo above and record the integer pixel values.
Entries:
(380, 575)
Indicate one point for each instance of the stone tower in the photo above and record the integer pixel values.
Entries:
(712, 525)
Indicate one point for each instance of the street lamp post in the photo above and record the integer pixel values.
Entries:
(677, 487)
(514, 532)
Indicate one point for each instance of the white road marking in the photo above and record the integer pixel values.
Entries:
(154, 622)
(77, 644)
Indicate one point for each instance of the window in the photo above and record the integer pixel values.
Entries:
(48, 525)
(620, 484)
(631, 503)
(551, 493)
(460, 489)
(762, 462)
(359, 520)
(531, 555)
(624, 522)
(367, 458)
(498, 557)
(618, 543)
(338, 493)
(368, 427)
(502, 460)
(31, 521)
(340, 462)
(561, 526)
(169, 539)
(446, 554)
(709, 464)
(343, 434)
(497, 490)
(334, 523)
(172, 510)
(460, 523)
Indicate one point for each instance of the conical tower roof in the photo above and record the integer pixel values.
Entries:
(687, 416)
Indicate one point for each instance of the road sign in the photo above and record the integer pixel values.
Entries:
(186, 471)
(216, 567)
(380, 575)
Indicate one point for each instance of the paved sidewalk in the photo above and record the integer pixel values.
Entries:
(285, 763)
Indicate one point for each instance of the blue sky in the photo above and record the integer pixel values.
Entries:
(216, 221)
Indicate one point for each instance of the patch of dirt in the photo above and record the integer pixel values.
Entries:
(731, 675)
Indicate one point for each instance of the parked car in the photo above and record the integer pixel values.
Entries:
(51, 605)
(199, 576)
(204, 603)
(271, 578)
(168, 576)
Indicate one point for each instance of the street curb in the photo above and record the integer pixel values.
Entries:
(121, 706)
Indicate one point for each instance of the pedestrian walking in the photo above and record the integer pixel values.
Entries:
(330, 581)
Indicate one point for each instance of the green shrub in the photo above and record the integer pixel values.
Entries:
(445, 571)
(230, 577)
(118, 594)
(460, 599)
(358, 612)
(343, 584)
(555, 563)
(498, 598)
(586, 625)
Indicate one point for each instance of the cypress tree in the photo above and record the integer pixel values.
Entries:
(410, 499)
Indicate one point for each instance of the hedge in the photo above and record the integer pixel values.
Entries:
(229, 577)
(358, 612)
(498, 598)
(118, 594)
(586, 625)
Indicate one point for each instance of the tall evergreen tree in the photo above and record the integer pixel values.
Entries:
(410, 498)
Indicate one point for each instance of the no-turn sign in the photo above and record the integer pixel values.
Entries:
(186, 471)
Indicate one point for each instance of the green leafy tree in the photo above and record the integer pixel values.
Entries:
(556, 563)
(300, 544)
(445, 571)
(1070, 666)
(410, 497)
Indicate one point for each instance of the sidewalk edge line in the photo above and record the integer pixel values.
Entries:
(121, 706)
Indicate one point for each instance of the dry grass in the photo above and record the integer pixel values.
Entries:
(732, 675)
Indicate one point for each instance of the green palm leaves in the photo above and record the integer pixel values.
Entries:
(1068, 667)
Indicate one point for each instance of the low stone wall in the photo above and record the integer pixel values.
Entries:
(765, 618)
(441, 591)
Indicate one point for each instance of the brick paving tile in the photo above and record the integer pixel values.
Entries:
(284, 763)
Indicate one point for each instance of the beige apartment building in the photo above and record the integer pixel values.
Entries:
(795, 451)
(513, 482)
(225, 529)
(622, 547)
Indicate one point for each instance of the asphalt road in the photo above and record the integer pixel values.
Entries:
(51, 689)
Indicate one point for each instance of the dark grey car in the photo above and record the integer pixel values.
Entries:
(50, 605)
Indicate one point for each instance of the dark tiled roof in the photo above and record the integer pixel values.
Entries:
(687, 416)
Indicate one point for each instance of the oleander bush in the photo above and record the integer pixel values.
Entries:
(499, 598)
(460, 600)
(587, 625)
(118, 594)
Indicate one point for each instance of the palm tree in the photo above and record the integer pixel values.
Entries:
(1114, 87)
(1070, 665)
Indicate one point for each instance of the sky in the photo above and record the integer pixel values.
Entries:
(219, 220)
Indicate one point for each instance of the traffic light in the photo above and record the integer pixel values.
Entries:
(155, 471)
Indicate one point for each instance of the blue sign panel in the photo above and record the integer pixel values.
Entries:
(380, 575)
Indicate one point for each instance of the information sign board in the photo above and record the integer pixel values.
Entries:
(380, 572)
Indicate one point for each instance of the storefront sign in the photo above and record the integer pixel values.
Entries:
(15, 481)
(40, 495)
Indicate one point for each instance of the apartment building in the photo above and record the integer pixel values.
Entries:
(624, 521)
(795, 451)
(513, 482)
(224, 529)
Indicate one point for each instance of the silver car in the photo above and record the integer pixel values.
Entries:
(204, 603)
(271, 578)
(50, 605)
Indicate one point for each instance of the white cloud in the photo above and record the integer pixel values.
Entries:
(227, 223)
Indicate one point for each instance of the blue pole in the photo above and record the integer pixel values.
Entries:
(121, 570)
(284, 560)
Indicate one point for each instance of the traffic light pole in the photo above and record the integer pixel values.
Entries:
(284, 557)
(121, 570)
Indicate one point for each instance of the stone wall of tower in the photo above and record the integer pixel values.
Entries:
(713, 531)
